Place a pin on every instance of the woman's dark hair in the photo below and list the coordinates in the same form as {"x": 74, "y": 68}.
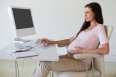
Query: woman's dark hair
{"x": 96, "y": 9}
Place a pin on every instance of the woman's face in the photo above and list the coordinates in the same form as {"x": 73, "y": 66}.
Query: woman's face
{"x": 89, "y": 15}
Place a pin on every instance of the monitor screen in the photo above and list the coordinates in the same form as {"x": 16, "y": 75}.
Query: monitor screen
{"x": 21, "y": 21}
{"x": 22, "y": 18}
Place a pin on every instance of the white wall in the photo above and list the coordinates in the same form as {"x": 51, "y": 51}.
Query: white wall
{"x": 57, "y": 19}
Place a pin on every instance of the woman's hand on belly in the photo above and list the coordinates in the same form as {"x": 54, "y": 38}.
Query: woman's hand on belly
{"x": 70, "y": 54}
{"x": 79, "y": 50}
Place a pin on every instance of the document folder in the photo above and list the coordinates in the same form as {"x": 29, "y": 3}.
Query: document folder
{"x": 21, "y": 54}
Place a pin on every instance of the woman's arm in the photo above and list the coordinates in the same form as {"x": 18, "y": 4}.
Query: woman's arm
{"x": 102, "y": 51}
{"x": 62, "y": 42}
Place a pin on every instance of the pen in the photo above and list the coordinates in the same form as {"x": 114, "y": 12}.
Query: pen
{"x": 21, "y": 50}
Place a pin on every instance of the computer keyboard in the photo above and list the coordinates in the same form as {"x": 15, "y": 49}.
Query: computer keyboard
{"x": 39, "y": 43}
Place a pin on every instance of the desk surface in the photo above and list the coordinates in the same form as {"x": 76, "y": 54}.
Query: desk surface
{"x": 48, "y": 53}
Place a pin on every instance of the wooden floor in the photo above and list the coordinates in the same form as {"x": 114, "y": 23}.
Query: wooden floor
{"x": 7, "y": 68}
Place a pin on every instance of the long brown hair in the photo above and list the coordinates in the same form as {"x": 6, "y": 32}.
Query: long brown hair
{"x": 96, "y": 9}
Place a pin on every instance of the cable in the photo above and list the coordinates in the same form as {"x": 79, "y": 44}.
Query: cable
{"x": 22, "y": 46}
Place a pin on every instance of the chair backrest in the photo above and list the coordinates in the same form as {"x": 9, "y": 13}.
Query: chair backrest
{"x": 99, "y": 62}
{"x": 109, "y": 30}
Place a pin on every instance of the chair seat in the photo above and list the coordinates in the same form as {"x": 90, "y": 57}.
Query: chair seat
{"x": 77, "y": 74}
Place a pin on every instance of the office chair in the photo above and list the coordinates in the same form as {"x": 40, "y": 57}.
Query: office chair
{"x": 98, "y": 66}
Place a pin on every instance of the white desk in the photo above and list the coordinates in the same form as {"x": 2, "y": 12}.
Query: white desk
{"x": 48, "y": 53}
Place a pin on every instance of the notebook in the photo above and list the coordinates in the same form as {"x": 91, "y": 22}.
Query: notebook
{"x": 21, "y": 53}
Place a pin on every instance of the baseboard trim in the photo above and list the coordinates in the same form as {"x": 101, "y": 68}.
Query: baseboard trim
{"x": 110, "y": 58}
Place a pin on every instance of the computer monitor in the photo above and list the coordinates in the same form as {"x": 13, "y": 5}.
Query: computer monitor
{"x": 21, "y": 21}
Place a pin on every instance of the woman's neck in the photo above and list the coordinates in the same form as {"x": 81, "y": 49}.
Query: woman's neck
{"x": 93, "y": 23}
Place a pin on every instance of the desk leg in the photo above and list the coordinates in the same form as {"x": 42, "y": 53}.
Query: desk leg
{"x": 22, "y": 67}
{"x": 53, "y": 69}
{"x": 16, "y": 69}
